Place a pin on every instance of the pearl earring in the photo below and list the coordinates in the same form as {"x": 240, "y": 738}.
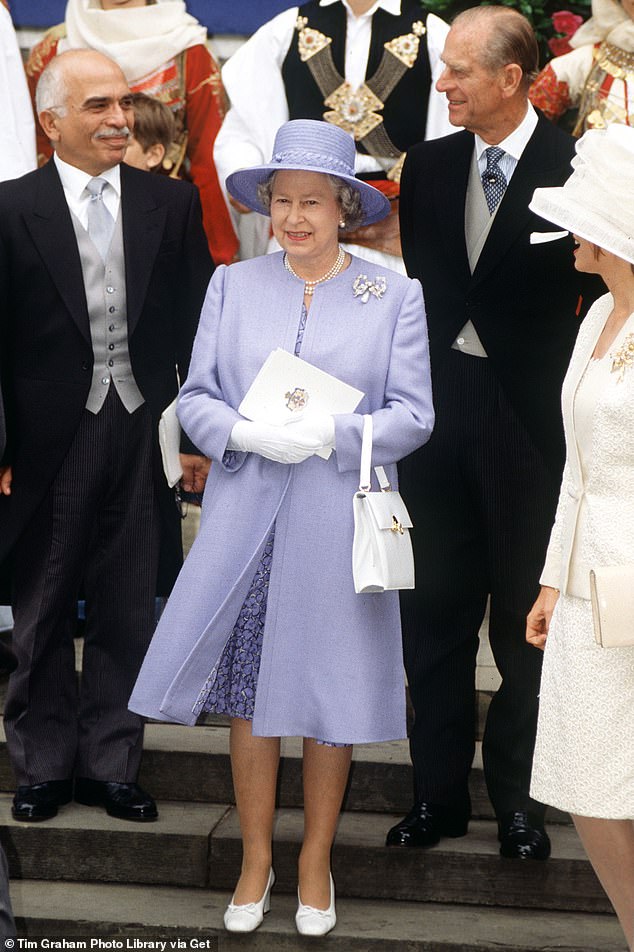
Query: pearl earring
{"x": 342, "y": 223}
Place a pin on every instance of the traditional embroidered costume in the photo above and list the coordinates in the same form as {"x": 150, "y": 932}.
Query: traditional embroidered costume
{"x": 597, "y": 77}
{"x": 371, "y": 75}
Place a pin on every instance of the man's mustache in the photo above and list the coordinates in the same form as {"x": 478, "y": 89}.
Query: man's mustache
{"x": 113, "y": 133}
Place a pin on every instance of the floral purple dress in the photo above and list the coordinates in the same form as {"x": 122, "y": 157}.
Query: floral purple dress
{"x": 231, "y": 686}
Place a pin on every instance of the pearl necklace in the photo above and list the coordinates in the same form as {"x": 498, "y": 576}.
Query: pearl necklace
{"x": 309, "y": 286}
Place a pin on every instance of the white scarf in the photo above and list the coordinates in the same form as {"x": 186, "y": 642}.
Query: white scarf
{"x": 139, "y": 40}
{"x": 610, "y": 22}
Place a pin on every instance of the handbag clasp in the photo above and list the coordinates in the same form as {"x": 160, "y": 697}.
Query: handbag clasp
{"x": 396, "y": 526}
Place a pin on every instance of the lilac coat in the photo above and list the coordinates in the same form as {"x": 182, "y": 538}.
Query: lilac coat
{"x": 331, "y": 662}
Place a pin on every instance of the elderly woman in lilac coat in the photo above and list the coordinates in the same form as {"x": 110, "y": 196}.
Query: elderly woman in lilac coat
{"x": 264, "y": 624}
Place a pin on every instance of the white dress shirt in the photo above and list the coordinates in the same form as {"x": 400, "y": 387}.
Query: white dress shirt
{"x": 74, "y": 183}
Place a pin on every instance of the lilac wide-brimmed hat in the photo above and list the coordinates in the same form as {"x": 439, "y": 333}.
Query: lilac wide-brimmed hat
{"x": 309, "y": 145}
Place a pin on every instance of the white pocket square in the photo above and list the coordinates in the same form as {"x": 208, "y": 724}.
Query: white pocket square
{"x": 539, "y": 237}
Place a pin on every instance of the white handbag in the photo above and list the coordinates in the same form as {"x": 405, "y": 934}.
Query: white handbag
{"x": 612, "y": 597}
{"x": 382, "y": 557}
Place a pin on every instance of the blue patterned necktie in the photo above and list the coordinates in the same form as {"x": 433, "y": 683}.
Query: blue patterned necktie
{"x": 493, "y": 181}
{"x": 100, "y": 221}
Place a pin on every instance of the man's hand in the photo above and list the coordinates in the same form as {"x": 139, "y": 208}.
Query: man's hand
{"x": 538, "y": 618}
{"x": 195, "y": 471}
{"x": 6, "y": 478}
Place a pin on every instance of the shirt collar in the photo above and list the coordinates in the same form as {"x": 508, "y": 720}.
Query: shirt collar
{"x": 516, "y": 142}
{"x": 74, "y": 180}
{"x": 390, "y": 6}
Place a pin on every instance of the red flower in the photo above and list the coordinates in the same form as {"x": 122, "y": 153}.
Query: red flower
{"x": 565, "y": 25}
{"x": 566, "y": 22}
{"x": 559, "y": 45}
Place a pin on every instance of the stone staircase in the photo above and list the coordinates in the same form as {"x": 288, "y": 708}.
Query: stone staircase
{"x": 86, "y": 874}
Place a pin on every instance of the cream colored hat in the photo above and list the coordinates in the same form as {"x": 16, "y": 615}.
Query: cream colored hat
{"x": 597, "y": 201}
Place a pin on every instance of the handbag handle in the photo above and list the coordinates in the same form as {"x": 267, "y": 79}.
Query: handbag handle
{"x": 365, "y": 483}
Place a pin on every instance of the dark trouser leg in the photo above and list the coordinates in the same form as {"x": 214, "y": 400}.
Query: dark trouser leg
{"x": 521, "y": 505}
{"x": 120, "y": 585}
{"x": 62, "y": 544}
{"x": 442, "y": 616}
{"x": 41, "y": 708}
{"x": 482, "y": 504}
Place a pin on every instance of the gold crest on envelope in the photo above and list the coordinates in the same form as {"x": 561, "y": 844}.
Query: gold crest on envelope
{"x": 296, "y": 399}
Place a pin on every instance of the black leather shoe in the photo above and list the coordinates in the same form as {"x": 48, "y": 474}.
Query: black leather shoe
{"x": 127, "y": 801}
{"x": 522, "y": 836}
{"x": 41, "y": 800}
{"x": 426, "y": 823}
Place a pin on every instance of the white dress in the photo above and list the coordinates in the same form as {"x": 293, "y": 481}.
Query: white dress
{"x": 584, "y": 752}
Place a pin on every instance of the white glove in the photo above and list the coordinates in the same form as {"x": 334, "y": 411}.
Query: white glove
{"x": 315, "y": 425}
{"x": 284, "y": 444}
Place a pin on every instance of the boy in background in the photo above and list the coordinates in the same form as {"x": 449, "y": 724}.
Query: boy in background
{"x": 154, "y": 132}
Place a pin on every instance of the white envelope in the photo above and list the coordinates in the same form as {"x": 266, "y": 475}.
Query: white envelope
{"x": 287, "y": 386}
{"x": 169, "y": 440}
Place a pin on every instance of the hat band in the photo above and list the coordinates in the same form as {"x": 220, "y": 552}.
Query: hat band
{"x": 300, "y": 157}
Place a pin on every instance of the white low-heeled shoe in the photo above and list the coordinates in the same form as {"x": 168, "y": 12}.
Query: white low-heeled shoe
{"x": 248, "y": 917}
{"x": 311, "y": 921}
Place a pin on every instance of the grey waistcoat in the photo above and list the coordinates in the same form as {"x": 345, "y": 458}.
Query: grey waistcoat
{"x": 477, "y": 225}
{"x": 104, "y": 283}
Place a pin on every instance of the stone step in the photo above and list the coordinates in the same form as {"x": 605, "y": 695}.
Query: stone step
{"x": 150, "y": 912}
{"x": 194, "y": 844}
{"x": 468, "y": 870}
{"x": 184, "y": 763}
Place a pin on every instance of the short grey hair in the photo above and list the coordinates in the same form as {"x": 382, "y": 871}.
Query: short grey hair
{"x": 347, "y": 196}
{"x": 511, "y": 39}
{"x": 52, "y": 88}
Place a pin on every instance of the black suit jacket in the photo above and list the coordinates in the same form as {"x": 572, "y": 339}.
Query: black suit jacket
{"x": 525, "y": 301}
{"x": 45, "y": 344}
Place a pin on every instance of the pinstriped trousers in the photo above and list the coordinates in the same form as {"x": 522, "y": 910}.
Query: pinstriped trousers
{"x": 483, "y": 502}
{"x": 96, "y": 528}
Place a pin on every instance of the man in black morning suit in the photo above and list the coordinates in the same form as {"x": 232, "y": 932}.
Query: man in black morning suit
{"x": 502, "y": 314}
{"x": 103, "y": 271}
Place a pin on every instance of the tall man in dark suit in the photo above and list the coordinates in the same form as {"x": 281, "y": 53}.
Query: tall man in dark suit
{"x": 503, "y": 314}
{"x": 103, "y": 271}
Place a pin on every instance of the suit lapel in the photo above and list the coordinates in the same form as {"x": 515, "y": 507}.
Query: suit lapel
{"x": 51, "y": 229}
{"x": 514, "y": 215}
{"x": 143, "y": 220}
{"x": 450, "y": 191}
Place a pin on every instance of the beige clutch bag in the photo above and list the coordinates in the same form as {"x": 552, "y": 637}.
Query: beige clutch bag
{"x": 612, "y": 597}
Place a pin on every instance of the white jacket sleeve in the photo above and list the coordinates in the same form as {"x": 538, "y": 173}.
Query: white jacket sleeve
{"x": 551, "y": 573}
{"x": 437, "y": 113}
{"x": 252, "y": 78}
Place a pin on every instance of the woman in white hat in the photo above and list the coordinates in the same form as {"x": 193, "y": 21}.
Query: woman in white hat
{"x": 264, "y": 624}
{"x": 584, "y": 754}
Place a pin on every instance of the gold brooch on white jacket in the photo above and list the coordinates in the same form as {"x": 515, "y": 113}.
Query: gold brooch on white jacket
{"x": 623, "y": 358}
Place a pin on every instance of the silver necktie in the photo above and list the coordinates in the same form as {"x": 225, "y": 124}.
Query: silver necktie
{"x": 100, "y": 221}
